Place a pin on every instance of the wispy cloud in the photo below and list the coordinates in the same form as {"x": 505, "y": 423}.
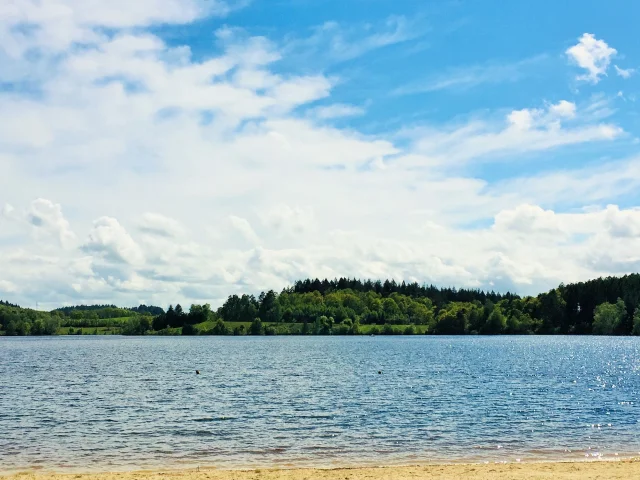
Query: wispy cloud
{"x": 522, "y": 131}
{"x": 464, "y": 78}
{"x": 624, "y": 72}
{"x": 335, "y": 42}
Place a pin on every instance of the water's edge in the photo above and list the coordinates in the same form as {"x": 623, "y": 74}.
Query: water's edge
{"x": 172, "y": 468}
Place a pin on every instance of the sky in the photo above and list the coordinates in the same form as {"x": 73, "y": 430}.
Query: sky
{"x": 180, "y": 151}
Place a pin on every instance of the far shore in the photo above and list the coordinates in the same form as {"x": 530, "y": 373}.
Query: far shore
{"x": 585, "y": 470}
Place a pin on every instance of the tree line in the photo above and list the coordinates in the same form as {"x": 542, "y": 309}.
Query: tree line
{"x": 604, "y": 306}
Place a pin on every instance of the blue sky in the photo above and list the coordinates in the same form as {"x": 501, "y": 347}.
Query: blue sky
{"x": 167, "y": 150}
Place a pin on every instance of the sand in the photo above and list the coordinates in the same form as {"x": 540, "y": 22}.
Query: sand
{"x": 604, "y": 470}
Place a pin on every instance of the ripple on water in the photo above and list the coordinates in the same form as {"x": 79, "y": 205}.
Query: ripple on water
{"x": 89, "y": 402}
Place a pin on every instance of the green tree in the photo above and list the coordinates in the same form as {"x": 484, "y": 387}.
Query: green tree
{"x": 220, "y": 328}
{"x": 199, "y": 314}
{"x": 355, "y": 329}
{"x": 269, "y": 309}
{"x": 552, "y": 312}
{"x": 387, "y": 329}
{"x": 180, "y": 317}
{"x": 453, "y": 320}
{"x": 495, "y": 324}
{"x": 607, "y": 317}
{"x": 51, "y": 325}
{"x": 391, "y": 311}
{"x": 410, "y": 330}
{"x": 135, "y": 326}
{"x": 636, "y": 321}
{"x": 239, "y": 309}
{"x": 256, "y": 327}
{"x": 323, "y": 325}
{"x": 421, "y": 314}
{"x": 145, "y": 324}
{"x": 189, "y": 329}
{"x": 37, "y": 327}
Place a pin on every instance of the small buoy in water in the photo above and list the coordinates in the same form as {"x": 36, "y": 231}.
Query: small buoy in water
{"x": 197, "y": 372}
{"x": 379, "y": 372}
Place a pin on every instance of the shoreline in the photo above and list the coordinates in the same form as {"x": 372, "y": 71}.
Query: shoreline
{"x": 612, "y": 468}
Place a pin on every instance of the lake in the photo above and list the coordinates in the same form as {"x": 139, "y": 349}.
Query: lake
{"x": 111, "y": 403}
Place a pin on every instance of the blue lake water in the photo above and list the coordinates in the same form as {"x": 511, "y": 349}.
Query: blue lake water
{"x": 109, "y": 403}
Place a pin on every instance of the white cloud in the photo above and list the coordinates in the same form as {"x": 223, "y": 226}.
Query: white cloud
{"x": 526, "y": 130}
{"x": 467, "y": 77}
{"x": 589, "y": 185}
{"x": 287, "y": 220}
{"x": 55, "y": 25}
{"x": 47, "y": 216}
{"x": 7, "y": 287}
{"x": 337, "y": 110}
{"x": 157, "y": 224}
{"x": 45, "y": 220}
{"x": 8, "y": 210}
{"x": 622, "y": 224}
{"x": 243, "y": 226}
{"x": 110, "y": 240}
{"x": 624, "y": 73}
{"x": 333, "y": 42}
{"x": 528, "y": 219}
{"x": 563, "y": 109}
{"x": 592, "y": 55}
{"x": 250, "y": 187}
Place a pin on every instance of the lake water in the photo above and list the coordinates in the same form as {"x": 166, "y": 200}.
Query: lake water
{"x": 110, "y": 403}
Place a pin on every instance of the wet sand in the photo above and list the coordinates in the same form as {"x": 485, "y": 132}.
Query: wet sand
{"x": 609, "y": 470}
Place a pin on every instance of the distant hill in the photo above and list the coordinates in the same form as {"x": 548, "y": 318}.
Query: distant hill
{"x": 607, "y": 306}
{"x": 110, "y": 311}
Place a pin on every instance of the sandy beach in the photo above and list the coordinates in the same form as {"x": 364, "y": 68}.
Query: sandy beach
{"x": 623, "y": 469}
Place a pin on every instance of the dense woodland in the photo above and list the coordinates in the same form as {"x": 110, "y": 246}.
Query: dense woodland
{"x": 605, "y": 306}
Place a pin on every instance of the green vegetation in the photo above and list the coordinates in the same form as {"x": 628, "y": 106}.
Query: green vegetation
{"x": 605, "y": 306}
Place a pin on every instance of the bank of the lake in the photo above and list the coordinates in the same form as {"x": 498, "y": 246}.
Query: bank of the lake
{"x": 613, "y": 470}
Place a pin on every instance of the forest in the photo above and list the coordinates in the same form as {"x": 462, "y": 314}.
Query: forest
{"x": 604, "y": 306}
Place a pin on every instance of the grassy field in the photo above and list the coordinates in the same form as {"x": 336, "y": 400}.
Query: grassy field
{"x": 231, "y": 326}
{"x": 364, "y": 329}
{"x": 368, "y": 329}
{"x": 89, "y": 330}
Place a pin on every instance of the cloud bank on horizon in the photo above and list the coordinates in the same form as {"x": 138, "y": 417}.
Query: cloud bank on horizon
{"x": 164, "y": 151}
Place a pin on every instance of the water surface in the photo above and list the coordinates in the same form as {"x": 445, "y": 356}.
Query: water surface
{"x": 85, "y": 403}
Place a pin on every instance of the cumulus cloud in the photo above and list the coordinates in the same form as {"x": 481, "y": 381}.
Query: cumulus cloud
{"x": 45, "y": 220}
{"x": 622, "y": 224}
{"x": 56, "y": 24}
{"x": 243, "y": 226}
{"x": 47, "y": 216}
{"x": 157, "y": 224}
{"x": 527, "y": 219}
{"x": 111, "y": 241}
{"x": 563, "y": 109}
{"x": 289, "y": 220}
{"x": 149, "y": 149}
{"x": 593, "y": 55}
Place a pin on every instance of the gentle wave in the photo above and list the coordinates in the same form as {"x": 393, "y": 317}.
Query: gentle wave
{"x": 129, "y": 403}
